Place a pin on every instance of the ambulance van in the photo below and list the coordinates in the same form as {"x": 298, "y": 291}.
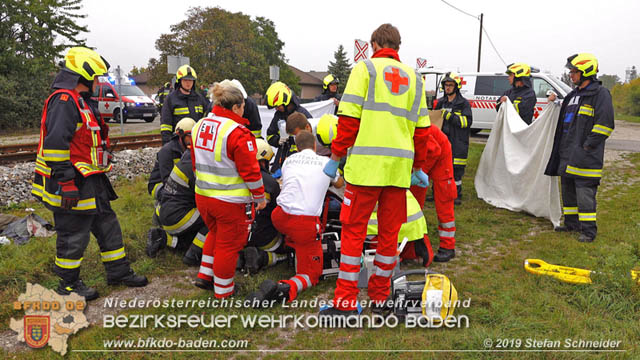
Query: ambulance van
{"x": 484, "y": 89}
{"x": 136, "y": 104}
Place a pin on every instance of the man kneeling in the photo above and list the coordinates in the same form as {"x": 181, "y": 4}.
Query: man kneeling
{"x": 297, "y": 216}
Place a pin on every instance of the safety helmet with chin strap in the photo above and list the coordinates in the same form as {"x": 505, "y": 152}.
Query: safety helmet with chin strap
{"x": 186, "y": 72}
{"x": 519, "y": 70}
{"x": 328, "y": 80}
{"x": 264, "y": 150}
{"x": 278, "y": 94}
{"x": 184, "y": 128}
{"x": 86, "y": 63}
{"x": 452, "y": 76}
{"x": 586, "y": 63}
{"x": 327, "y": 129}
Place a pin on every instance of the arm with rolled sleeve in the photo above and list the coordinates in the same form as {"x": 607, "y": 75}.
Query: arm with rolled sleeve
{"x": 241, "y": 147}
{"x": 603, "y": 125}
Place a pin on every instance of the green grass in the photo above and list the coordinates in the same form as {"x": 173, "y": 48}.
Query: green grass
{"x": 629, "y": 118}
{"x": 506, "y": 301}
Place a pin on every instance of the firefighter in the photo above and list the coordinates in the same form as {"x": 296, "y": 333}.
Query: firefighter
{"x": 280, "y": 97}
{"x": 168, "y": 155}
{"x": 297, "y": 216}
{"x": 70, "y": 176}
{"x": 265, "y": 246}
{"x": 382, "y": 115}
{"x": 178, "y": 215}
{"x": 182, "y": 102}
{"x": 521, "y": 93}
{"x": 441, "y": 172}
{"x": 166, "y": 158}
{"x": 163, "y": 92}
{"x": 228, "y": 183}
{"x": 297, "y": 122}
{"x": 585, "y": 122}
{"x": 457, "y": 119}
{"x": 414, "y": 230}
{"x": 330, "y": 91}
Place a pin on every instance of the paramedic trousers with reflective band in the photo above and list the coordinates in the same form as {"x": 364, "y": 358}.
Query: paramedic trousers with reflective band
{"x": 228, "y": 232}
{"x": 73, "y": 237}
{"x": 302, "y": 235}
{"x": 579, "y": 205}
{"x": 443, "y": 201}
{"x": 358, "y": 204}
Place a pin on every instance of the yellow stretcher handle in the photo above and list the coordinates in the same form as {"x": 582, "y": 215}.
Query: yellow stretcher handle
{"x": 564, "y": 273}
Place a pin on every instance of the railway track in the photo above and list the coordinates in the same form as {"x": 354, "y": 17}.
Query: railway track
{"x": 27, "y": 152}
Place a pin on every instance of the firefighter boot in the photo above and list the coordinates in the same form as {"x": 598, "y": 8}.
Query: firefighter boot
{"x": 156, "y": 240}
{"x": 255, "y": 259}
{"x": 193, "y": 256}
{"x": 444, "y": 255}
{"x": 241, "y": 261}
{"x": 458, "y": 200}
{"x": 78, "y": 287}
{"x": 586, "y": 238}
{"x": 131, "y": 279}
{"x": 204, "y": 284}
{"x": 566, "y": 228}
{"x": 268, "y": 290}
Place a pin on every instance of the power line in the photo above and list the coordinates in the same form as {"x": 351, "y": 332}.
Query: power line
{"x": 484, "y": 29}
{"x": 462, "y": 11}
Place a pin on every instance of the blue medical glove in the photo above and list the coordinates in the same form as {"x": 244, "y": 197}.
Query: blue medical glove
{"x": 414, "y": 180}
{"x": 331, "y": 168}
{"x": 424, "y": 178}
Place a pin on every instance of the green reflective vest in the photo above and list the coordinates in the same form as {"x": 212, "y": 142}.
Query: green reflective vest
{"x": 414, "y": 229}
{"x": 388, "y": 98}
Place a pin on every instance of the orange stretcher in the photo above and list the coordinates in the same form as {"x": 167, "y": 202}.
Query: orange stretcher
{"x": 564, "y": 273}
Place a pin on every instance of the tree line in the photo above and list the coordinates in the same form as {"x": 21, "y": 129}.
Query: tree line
{"x": 35, "y": 35}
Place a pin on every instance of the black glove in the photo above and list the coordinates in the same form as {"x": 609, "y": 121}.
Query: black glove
{"x": 70, "y": 194}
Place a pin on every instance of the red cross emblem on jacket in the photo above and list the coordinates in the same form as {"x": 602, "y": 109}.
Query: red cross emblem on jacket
{"x": 396, "y": 79}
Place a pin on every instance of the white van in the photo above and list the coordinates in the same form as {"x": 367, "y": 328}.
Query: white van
{"x": 484, "y": 89}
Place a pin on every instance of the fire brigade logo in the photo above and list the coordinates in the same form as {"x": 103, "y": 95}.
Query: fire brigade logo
{"x": 36, "y": 330}
{"x": 396, "y": 79}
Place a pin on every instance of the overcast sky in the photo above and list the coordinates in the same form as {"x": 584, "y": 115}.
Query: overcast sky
{"x": 542, "y": 33}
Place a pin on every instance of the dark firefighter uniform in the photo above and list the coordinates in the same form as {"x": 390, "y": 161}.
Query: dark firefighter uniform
{"x": 178, "y": 213}
{"x": 163, "y": 92}
{"x": 167, "y": 157}
{"x": 585, "y": 122}
{"x": 523, "y": 97}
{"x": 265, "y": 246}
{"x": 252, "y": 114}
{"x": 278, "y": 95}
{"x": 70, "y": 179}
{"x": 177, "y": 106}
{"x": 457, "y": 119}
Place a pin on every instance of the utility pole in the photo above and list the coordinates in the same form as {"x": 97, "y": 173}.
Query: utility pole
{"x": 480, "y": 42}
